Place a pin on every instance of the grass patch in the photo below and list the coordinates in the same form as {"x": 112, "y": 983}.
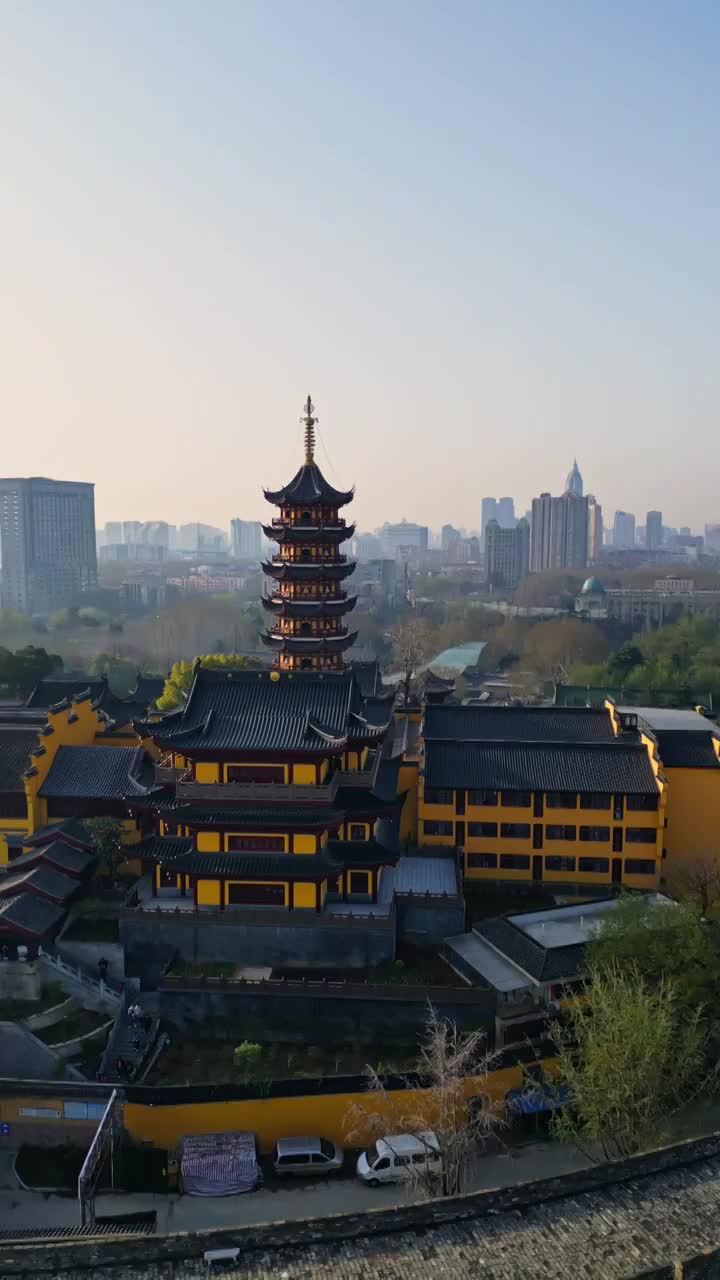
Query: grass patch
{"x": 76, "y": 1024}
{"x": 16, "y": 1010}
{"x": 91, "y": 929}
{"x": 198, "y": 1061}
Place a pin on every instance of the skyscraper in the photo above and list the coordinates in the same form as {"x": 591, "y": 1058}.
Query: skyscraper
{"x": 624, "y": 529}
{"x": 574, "y": 482}
{"x": 507, "y": 553}
{"x": 653, "y": 530}
{"x": 595, "y": 528}
{"x": 489, "y": 511}
{"x": 506, "y": 513}
{"x": 47, "y": 529}
{"x": 246, "y": 539}
{"x": 559, "y": 536}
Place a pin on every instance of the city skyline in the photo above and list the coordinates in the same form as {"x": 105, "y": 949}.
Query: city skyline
{"x": 214, "y": 213}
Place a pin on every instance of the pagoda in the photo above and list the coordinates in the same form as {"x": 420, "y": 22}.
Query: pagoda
{"x": 308, "y": 601}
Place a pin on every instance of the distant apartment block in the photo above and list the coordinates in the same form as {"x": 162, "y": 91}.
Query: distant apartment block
{"x": 653, "y": 530}
{"x": 246, "y": 539}
{"x": 403, "y": 537}
{"x": 559, "y": 533}
{"x": 595, "y": 529}
{"x": 624, "y": 530}
{"x": 47, "y": 530}
{"x": 207, "y": 584}
{"x": 507, "y": 553}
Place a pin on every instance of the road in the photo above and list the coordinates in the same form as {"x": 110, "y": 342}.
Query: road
{"x": 279, "y": 1199}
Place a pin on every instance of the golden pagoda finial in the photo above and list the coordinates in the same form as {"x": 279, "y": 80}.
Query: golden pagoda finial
{"x": 309, "y": 419}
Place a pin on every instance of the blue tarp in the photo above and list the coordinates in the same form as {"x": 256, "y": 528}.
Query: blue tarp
{"x": 531, "y": 1101}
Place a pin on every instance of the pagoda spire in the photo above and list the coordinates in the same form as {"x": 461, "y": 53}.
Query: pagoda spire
{"x": 309, "y": 420}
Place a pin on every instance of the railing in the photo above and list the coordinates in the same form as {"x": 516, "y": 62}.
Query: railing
{"x": 111, "y": 991}
{"x": 167, "y": 773}
{"x": 361, "y": 777}
{"x": 266, "y": 916}
{"x": 270, "y": 791}
{"x": 353, "y": 988}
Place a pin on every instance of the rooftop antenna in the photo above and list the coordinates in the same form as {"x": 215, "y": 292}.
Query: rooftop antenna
{"x": 309, "y": 420}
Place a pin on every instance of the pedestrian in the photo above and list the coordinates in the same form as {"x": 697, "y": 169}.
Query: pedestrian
{"x": 120, "y": 1066}
{"x": 103, "y": 967}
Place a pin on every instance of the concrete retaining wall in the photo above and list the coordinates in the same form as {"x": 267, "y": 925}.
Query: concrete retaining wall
{"x": 426, "y": 921}
{"x": 148, "y": 937}
{"x": 48, "y": 1017}
{"x": 231, "y": 1012}
{"x": 70, "y": 1048}
{"x": 20, "y": 980}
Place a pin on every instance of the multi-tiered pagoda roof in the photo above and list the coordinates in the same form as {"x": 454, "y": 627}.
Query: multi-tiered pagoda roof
{"x": 308, "y": 603}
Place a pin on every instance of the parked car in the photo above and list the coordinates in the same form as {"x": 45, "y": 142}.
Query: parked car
{"x": 306, "y": 1155}
{"x": 399, "y": 1158}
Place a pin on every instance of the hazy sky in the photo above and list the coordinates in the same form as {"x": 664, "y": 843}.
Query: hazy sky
{"x": 484, "y": 235}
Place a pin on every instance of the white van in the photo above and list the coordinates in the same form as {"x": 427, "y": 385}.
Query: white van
{"x": 400, "y": 1158}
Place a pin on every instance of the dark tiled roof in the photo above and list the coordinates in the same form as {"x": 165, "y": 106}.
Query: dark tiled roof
{"x": 299, "y": 570}
{"x": 251, "y": 711}
{"x": 277, "y": 818}
{"x": 307, "y": 533}
{"x": 362, "y": 853}
{"x": 16, "y": 746}
{"x": 305, "y": 644}
{"x": 309, "y": 485}
{"x": 680, "y": 750}
{"x": 545, "y": 965}
{"x": 42, "y": 880}
{"x": 47, "y": 693}
{"x": 526, "y": 724}
{"x": 68, "y": 829}
{"x": 540, "y": 766}
{"x": 30, "y": 914}
{"x": 148, "y": 689}
{"x": 98, "y": 773}
{"x": 163, "y": 848}
{"x": 289, "y": 866}
{"x": 58, "y": 854}
{"x": 370, "y": 681}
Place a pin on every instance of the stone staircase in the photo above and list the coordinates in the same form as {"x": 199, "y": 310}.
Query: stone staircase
{"x": 135, "y": 1043}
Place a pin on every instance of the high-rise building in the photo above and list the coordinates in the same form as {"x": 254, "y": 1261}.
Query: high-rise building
{"x": 246, "y": 537}
{"x": 450, "y": 537}
{"x": 540, "y": 533}
{"x": 47, "y": 529}
{"x": 506, "y": 513}
{"x": 653, "y": 530}
{"x": 574, "y": 482}
{"x": 201, "y": 537}
{"x": 113, "y": 531}
{"x": 404, "y": 536}
{"x": 131, "y": 531}
{"x": 595, "y": 528}
{"x": 489, "y": 512}
{"x": 559, "y": 535}
{"x": 507, "y": 553}
{"x": 712, "y": 538}
{"x": 624, "y": 529}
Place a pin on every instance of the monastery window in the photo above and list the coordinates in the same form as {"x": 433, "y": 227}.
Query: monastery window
{"x": 168, "y": 878}
{"x": 595, "y": 800}
{"x": 435, "y": 795}
{"x": 515, "y": 830}
{"x": 267, "y": 773}
{"x": 640, "y": 835}
{"x": 556, "y": 863}
{"x": 599, "y": 866}
{"x": 333, "y": 884}
{"x": 483, "y": 798}
{"x": 357, "y": 831}
{"x": 358, "y": 882}
{"x": 640, "y": 867}
{"x": 560, "y": 832}
{"x": 438, "y": 828}
{"x": 642, "y": 804}
{"x": 595, "y": 835}
{"x": 561, "y": 800}
{"x": 270, "y": 844}
{"x": 515, "y": 861}
{"x": 482, "y": 861}
{"x": 516, "y": 799}
{"x": 263, "y": 895}
{"x": 482, "y": 829}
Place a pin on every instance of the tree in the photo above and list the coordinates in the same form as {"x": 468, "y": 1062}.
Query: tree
{"x": 23, "y": 669}
{"x": 411, "y": 648}
{"x": 630, "y": 1057}
{"x": 449, "y": 1096}
{"x": 661, "y": 941}
{"x": 121, "y": 672}
{"x": 697, "y": 879}
{"x": 182, "y": 674}
{"x": 623, "y": 661}
{"x": 105, "y": 836}
{"x": 551, "y": 648}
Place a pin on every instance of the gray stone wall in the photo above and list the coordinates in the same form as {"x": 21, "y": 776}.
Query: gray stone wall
{"x": 150, "y": 938}
{"x": 226, "y": 1012}
{"x": 426, "y": 921}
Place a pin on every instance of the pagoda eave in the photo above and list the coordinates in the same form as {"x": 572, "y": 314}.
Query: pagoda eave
{"x": 309, "y": 534}
{"x": 286, "y": 607}
{"x": 307, "y": 571}
{"x": 303, "y": 645}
